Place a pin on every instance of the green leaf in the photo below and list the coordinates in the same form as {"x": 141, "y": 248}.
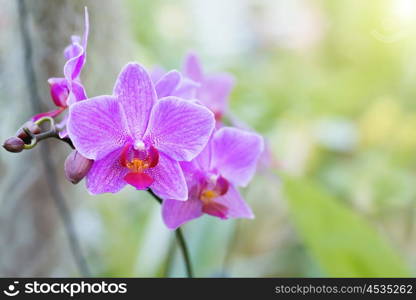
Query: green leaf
{"x": 343, "y": 243}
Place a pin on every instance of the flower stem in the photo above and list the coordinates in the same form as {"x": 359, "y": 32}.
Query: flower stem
{"x": 185, "y": 252}
{"x": 181, "y": 243}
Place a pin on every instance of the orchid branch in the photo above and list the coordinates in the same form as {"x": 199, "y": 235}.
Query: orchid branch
{"x": 53, "y": 132}
{"x": 181, "y": 242}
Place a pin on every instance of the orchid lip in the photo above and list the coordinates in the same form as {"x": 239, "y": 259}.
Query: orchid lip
{"x": 214, "y": 187}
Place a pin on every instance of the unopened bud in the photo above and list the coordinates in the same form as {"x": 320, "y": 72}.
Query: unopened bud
{"x": 76, "y": 167}
{"x": 14, "y": 144}
{"x": 59, "y": 91}
{"x": 33, "y": 128}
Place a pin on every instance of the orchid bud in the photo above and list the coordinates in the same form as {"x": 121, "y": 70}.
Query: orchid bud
{"x": 14, "y": 144}
{"x": 59, "y": 91}
{"x": 76, "y": 167}
{"x": 33, "y": 127}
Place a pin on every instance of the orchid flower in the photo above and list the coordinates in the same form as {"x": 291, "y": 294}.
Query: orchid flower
{"x": 136, "y": 139}
{"x": 213, "y": 90}
{"x": 227, "y": 162}
{"x": 69, "y": 89}
{"x": 172, "y": 83}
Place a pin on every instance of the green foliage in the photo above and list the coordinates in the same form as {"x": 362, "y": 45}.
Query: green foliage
{"x": 343, "y": 243}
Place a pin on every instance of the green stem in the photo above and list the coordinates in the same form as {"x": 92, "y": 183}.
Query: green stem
{"x": 52, "y": 132}
{"x": 185, "y": 252}
{"x": 181, "y": 242}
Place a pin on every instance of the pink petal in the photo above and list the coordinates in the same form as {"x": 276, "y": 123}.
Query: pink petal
{"x": 97, "y": 127}
{"x": 59, "y": 91}
{"x": 192, "y": 67}
{"x": 235, "y": 154}
{"x": 73, "y": 49}
{"x": 179, "y": 128}
{"x": 157, "y": 73}
{"x": 169, "y": 181}
{"x": 175, "y": 213}
{"x": 136, "y": 93}
{"x": 215, "y": 91}
{"x": 235, "y": 204}
{"x": 77, "y": 93}
{"x": 73, "y": 66}
{"x": 63, "y": 133}
{"x": 167, "y": 84}
{"x": 187, "y": 89}
{"x": 203, "y": 160}
{"x": 190, "y": 171}
{"x": 215, "y": 209}
{"x": 106, "y": 175}
{"x": 140, "y": 181}
{"x": 75, "y": 53}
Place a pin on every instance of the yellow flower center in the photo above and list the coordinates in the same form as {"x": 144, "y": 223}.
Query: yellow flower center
{"x": 208, "y": 195}
{"x": 137, "y": 165}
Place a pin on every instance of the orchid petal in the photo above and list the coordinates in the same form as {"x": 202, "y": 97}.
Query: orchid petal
{"x": 73, "y": 66}
{"x": 63, "y": 133}
{"x": 175, "y": 213}
{"x": 59, "y": 91}
{"x": 203, "y": 160}
{"x": 192, "y": 67}
{"x": 215, "y": 91}
{"x": 167, "y": 84}
{"x": 156, "y": 73}
{"x": 235, "y": 204}
{"x": 75, "y": 53}
{"x": 169, "y": 181}
{"x": 187, "y": 89}
{"x": 179, "y": 128}
{"x": 77, "y": 93}
{"x": 106, "y": 175}
{"x": 61, "y": 126}
{"x": 73, "y": 49}
{"x": 135, "y": 92}
{"x": 97, "y": 127}
{"x": 235, "y": 154}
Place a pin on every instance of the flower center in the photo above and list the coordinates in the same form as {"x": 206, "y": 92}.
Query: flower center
{"x": 137, "y": 165}
{"x": 208, "y": 195}
{"x": 138, "y": 158}
{"x": 214, "y": 187}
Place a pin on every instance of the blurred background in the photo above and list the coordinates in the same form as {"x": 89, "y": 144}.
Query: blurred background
{"x": 330, "y": 84}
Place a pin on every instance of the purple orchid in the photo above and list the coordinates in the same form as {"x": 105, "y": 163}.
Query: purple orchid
{"x": 213, "y": 90}
{"x": 69, "y": 89}
{"x": 228, "y": 161}
{"x": 136, "y": 139}
{"x": 172, "y": 83}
